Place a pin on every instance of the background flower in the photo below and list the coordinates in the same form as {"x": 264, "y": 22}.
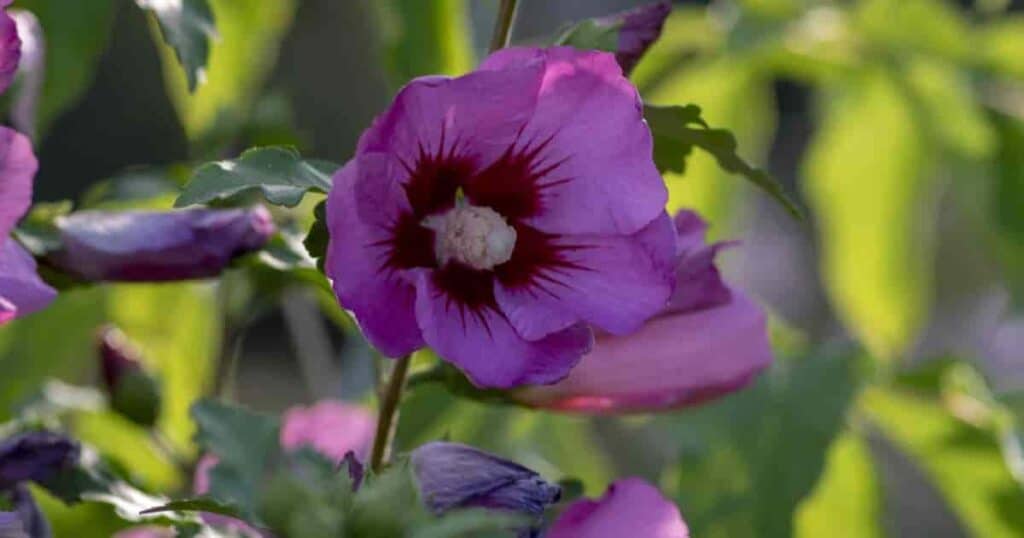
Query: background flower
{"x": 630, "y": 507}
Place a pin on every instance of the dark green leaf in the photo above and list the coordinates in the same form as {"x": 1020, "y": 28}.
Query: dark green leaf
{"x": 678, "y": 129}
{"x": 199, "y": 504}
{"x": 187, "y": 26}
{"x": 591, "y": 34}
{"x": 318, "y": 236}
{"x": 278, "y": 172}
{"x": 748, "y": 460}
{"x": 245, "y": 442}
{"x": 1007, "y": 199}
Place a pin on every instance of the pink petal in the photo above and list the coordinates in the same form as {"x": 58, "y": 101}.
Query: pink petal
{"x": 10, "y": 48}
{"x": 18, "y": 167}
{"x": 698, "y": 282}
{"x": 381, "y": 301}
{"x": 7, "y": 311}
{"x": 330, "y": 427}
{"x": 615, "y": 283}
{"x": 20, "y": 286}
{"x": 592, "y": 118}
{"x": 673, "y": 361}
{"x": 485, "y": 346}
{"x": 630, "y": 507}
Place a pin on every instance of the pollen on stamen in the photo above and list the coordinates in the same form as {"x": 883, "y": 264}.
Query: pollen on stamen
{"x": 475, "y": 236}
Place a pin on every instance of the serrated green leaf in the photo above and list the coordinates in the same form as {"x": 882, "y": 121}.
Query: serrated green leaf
{"x": 678, "y": 129}
{"x": 277, "y": 172}
{"x": 187, "y": 26}
{"x": 591, "y": 34}
{"x": 245, "y": 442}
{"x": 197, "y": 504}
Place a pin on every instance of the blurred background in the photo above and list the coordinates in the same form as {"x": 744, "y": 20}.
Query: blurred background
{"x": 895, "y": 405}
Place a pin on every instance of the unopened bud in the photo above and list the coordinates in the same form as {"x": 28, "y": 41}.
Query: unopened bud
{"x": 133, "y": 392}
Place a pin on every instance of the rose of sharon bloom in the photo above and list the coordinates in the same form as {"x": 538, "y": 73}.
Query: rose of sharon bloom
{"x": 499, "y": 215}
{"x": 639, "y": 28}
{"x": 21, "y": 290}
{"x": 10, "y": 47}
{"x": 630, "y": 507}
{"x": 709, "y": 341}
{"x": 146, "y": 246}
{"x": 334, "y": 429}
{"x": 452, "y": 475}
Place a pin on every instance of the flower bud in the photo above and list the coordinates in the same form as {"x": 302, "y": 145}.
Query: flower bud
{"x": 134, "y": 394}
{"x": 452, "y": 475}
{"x": 35, "y": 456}
{"x": 147, "y": 246}
{"x": 639, "y": 28}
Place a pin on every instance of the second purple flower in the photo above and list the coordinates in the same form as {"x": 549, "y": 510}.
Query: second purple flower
{"x": 497, "y": 216}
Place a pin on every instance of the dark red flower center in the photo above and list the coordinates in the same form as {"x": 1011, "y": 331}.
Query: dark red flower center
{"x": 505, "y": 194}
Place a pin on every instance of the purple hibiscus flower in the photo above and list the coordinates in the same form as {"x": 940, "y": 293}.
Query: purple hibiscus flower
{"x": 21, "y": 290}
{"x": 710, "y": 340}
{"x": 146, "y": 246}
{"x": 499, "y": 215}
{"x": 34, "y": 456}
{"x": 630, "y": 507}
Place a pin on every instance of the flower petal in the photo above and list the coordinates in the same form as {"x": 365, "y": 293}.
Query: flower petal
{"x": 149, "y": 246}
{"x": 630, "y": 507}
{"x": 640, "y": 28}
{"x": 589, "y": 122}
{"x": 18, "y": 167}
{"x": 330, "y": 427}
{"x": 382, "y": 302}
{"x": 481, "y": 342}
{"x": 37, "y": 455}
{"x": 615, "y": 283}
{"x": 698, "y": 282}
{"x": 10, "y": 48}
{"x": 453, "y": 475}
{"x": 22, "y": 292}
{"x": 673, "y": 361}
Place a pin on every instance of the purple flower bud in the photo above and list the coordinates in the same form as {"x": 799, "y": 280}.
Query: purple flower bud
{"x": 639, "y": 29}
{"x": 452, "y": 475}
{"x": 133, "y": 393}
{"x": 146, "y": 246}
{"x": 25, "y": 520}
{"x": 34, "y": 456}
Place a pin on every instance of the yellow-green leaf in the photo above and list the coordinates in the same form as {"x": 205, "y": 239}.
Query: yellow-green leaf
{"x": 847, "y": 502}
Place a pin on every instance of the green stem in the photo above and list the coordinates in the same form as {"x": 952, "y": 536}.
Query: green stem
{"x": 503, "y": 26}
{"x": 390, "y": 397}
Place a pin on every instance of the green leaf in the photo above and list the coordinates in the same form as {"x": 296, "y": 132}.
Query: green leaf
{"x": 591, "y": 34}
{"x": 424, "y": 38}
{"x": 749, "y": 460}
{"x": 188, "y": 27}
{"x": 318, "y": 237}
{"x": 963, "y": 463}
{"x": 847, "y": 501}
{"x": 1005, "y": 202}
{"x": 250, "y": 32}
{"x": 678, "y": 129}
{"x": 197, "y": 504}
{"x": 872, "y": 193}
{"x": 278, "y": 172}
{"x": 76, "y": 34}
{"x": 246, "y": 444}
{"x": 38, "y": 232}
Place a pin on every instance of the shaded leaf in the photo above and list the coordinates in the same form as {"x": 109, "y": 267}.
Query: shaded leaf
{"x": 424, "y": 38}
{"x": 318, "y": 237}
{"x": 198, "y": 504}
{"x": 76, "y": 34}
{"x": 591, "y": 34}
{"x": 278, "y": 172}
{"x": 678, "y": 129}
{"x": 187, "y": 26}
